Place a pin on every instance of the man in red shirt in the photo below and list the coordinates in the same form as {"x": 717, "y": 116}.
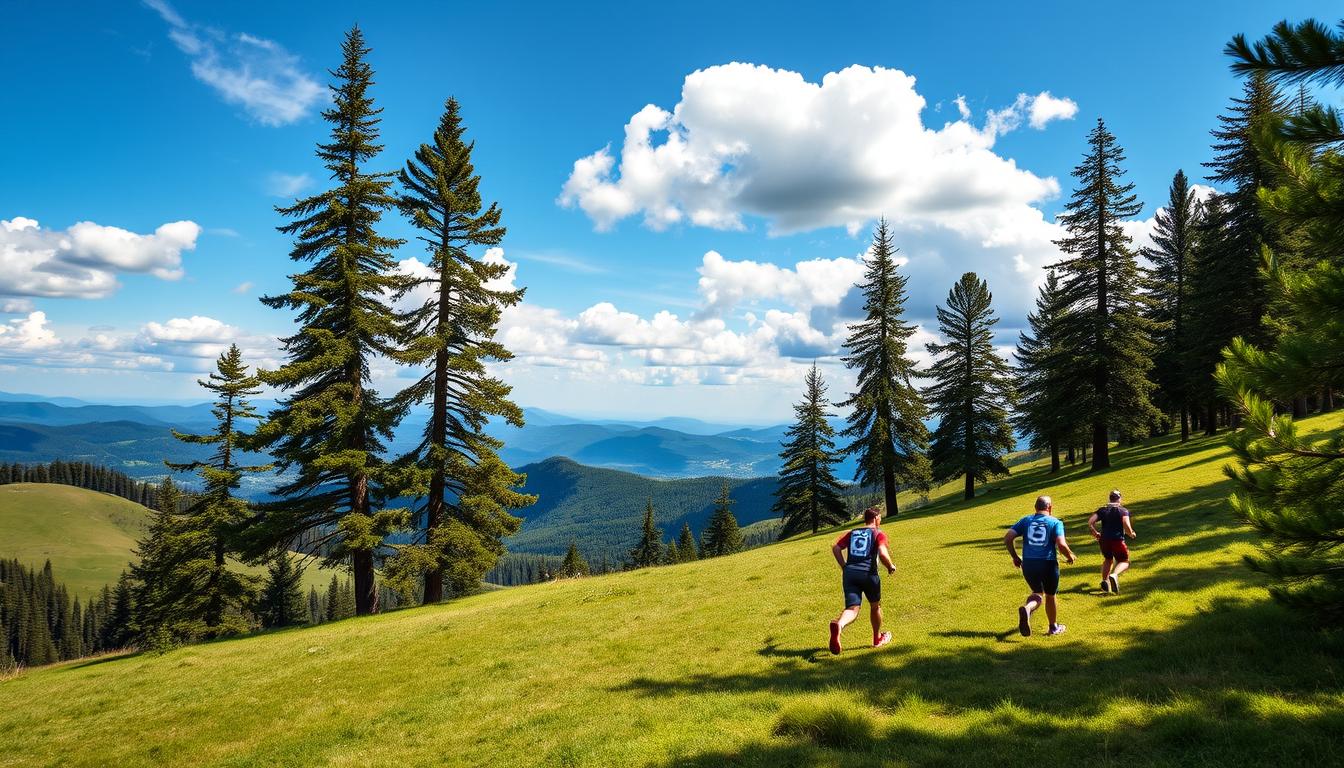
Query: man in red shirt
{"x": 858, "y": 553}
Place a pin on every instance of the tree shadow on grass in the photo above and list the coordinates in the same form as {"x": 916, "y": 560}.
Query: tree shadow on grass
{"x": 1218, "y": 689}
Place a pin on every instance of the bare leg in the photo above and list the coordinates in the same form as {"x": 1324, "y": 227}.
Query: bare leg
{"x": 1051, "y": 611}
{"x": 1106, "y": 568}
{"x": 847, "y": 616}
{"x": 1121, "y": 567}
{"x": 875, "y": 615}
{"x": 1033, "y": 602}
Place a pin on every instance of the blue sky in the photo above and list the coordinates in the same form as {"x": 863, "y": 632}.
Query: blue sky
{"x": 693, "y": 269}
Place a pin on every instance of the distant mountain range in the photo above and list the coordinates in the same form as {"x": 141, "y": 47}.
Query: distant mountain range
{"x": 602, "y": 509}
{"x": 137, "y": 438}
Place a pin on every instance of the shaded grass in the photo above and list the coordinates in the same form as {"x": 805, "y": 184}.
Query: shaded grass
{"x": 723, "y": 662}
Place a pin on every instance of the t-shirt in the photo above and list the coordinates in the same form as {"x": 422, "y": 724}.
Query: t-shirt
{"x": 862, "y": 545}
{"x": 1038, "y": 533}
{"x": 1112, "y": 519}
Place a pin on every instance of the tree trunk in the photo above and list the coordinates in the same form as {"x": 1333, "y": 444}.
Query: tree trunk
{"x": 1101, "y": 446}
{"x": 1073, "y": 456}
{"x": 1083, "y": 450}
{"x": 889, "y": 484}
{"x": 1299, "y": 407}
{"x": 1054, "y": 456}
{"x": 1185, "y": 423}
{"x": 1211, "y": 419}
{"x": 970, "y": 487}
{"x": 362, "y": 563}
{"x": 1327, "y": 400}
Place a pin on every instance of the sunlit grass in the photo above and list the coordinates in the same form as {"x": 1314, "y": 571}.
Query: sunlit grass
{"x": 723, "y": 662}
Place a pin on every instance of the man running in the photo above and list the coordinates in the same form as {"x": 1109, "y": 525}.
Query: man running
{"x": 858, "y": 553}
{"x": 1042, "y": 535}
{"x": 1115, "y": 527}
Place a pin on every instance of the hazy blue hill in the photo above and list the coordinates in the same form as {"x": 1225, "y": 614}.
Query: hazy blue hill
{"x": 23, "y": 397}
{"x": 52, "y": 414}
{"x": 601, "y": 509}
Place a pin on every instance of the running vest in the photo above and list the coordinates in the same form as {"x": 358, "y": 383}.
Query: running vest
{"x": 862, "y": 550}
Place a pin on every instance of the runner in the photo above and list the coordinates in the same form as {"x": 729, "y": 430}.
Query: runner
{"x": 858, "y": 553}
{"x": 1042, "y": 535}
{"x": 1115, "y": 526}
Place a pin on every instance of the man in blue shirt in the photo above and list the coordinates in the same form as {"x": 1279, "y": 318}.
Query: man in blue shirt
{"x": 1042, "y": 534}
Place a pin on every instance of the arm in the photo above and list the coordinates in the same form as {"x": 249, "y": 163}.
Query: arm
{"x": 1129, "y": 528}
{"x": 1009, "y": 541}
{"x": 1063, "y": 547}
{"x": 839, "y": 553}
{"x": 1092, "y": 526}
{"x": 885, "y": 557}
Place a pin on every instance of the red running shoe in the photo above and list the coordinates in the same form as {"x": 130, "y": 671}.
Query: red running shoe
{"x": 835, "y": 637}
{"x": 882, "y": 640}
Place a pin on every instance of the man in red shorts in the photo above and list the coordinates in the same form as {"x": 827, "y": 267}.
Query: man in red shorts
{"x": 858, "y": 552}
{"x": 1115, "y": 527}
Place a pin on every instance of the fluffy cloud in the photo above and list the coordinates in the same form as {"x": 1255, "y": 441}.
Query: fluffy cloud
{"x": 84, "y": 260}
{"x": 751, "y": 140}
{"x": 16, "y": 306}
{"x": 256, "y": 74}
{"x": 27, "y": 334}
{"x": 1045, "y": 108}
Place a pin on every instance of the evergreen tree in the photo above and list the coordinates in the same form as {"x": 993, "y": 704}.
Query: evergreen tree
{"x": 574, "y": 564}
{"x": 119, "y": 630}
{"x": 203, "y": 585}
{"x": 316, "y": 615}
{"x": 1043, "y": 365}
{"x": 332, "y": 608}
{"x": 685, "y": 545}
{"x": 971, "y": 391}
{"x": 1104, "y": 322}
{"x": 160, "y": 617}
{"x": 887, "y": 423}
{"x": 328, "y": 431}
{"x": 1175, "y": 235}
{"x": 1292, "y": 485}
{"x": 649, "y": 549}
{"x": 721, "y": 536}
{"x": 282, "y": 603}
{"x": 470, "y": 491}
{"x": 808, "y": 495}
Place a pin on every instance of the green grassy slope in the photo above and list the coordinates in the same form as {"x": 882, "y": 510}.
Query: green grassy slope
{"x": 87, "y": 535}
{"x": 701, "y": 664}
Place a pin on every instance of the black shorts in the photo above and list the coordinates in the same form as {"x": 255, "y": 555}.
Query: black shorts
{"x": 859, "y": 584}
{"x": 1041, "y": 575}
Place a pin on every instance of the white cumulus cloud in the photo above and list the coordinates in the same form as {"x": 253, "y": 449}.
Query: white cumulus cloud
{"x": 84, "y": 260}
{"x": 748, "y": 140}
{"x": 1045, "y": 108}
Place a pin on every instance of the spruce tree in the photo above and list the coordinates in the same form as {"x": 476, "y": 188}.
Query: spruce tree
{"x": 282, "y": 603}
{"x": 808, "y": 495}
{"x": 887, "y": 422}
{"x": 328, "y": 431}
{"x": 574, "y": 564}
{"x": 470, "y": 491}
{"x": 316, "y": 615}
{"x": 1104, "y": 322}
{"x": 204, "y": 585}
{"x": 722, "y": 535}
{"x": 1044, "y": 404}
{"x": 1175, "y": 237}
{"x": 686, "y": 551}
{"x": 160, "y": 616}
{"x": 972, "y": 389}
{"x": 649, "y": 549}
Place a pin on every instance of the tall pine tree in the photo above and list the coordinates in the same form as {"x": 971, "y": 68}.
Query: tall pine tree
{"x": 1172, "y": 256}
{"x": 1104, "y": 322}
{"x": 1043, "y": 365}
{"x": 808, "y": 495}
{"x": 328, "y": 431}
{"x": 972, "y": 389}
{"x": 470, "y": 490}
{"x": 204, "y": 585}
{"x": 887, "y": 423}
